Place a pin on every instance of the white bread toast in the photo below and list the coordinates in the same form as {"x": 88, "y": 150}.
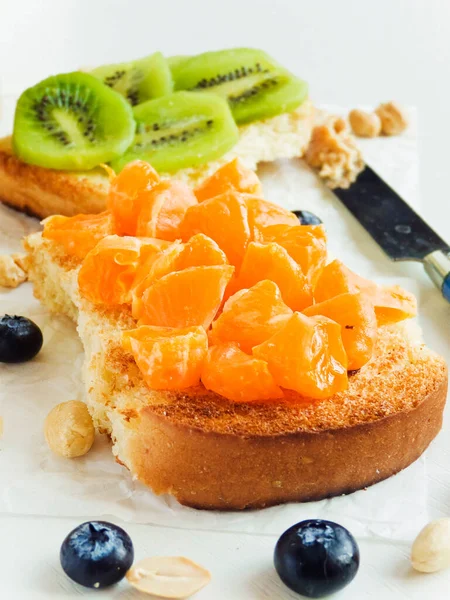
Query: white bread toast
{"x": 43, "y": 192}
{"x": 211, "y": 453}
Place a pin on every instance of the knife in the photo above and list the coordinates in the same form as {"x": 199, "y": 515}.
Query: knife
{"x": 396, "y": 227}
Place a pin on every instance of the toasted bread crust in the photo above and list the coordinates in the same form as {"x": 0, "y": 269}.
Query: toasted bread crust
{"x": 43, "y": 192}
{"x": 231, "y": 472}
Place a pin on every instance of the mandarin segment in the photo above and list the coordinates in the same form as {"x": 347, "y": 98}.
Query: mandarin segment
{"x": 163, "y": 209}
{"x": 307, "y": 356}
{"x": 305, "y": 244}
{"x": 108, "y": 271}
{"x": 78, "y": 235}
{"x": 127, "y": 192}
{"x": 186, "y": 298}
{"x": 225, "y": 220}
{"x": 251, "y": 316}
{"x": 168, "y": 358}
{"x": 199, "y": 251}
{"x": 356, "y": 315}
{"x": 272, "y": 261}
{"x": 231, "y": 373}
{"x": 232, "y": 175}
{"x": 392, "y": 304}
{"x": 262, "y": 213}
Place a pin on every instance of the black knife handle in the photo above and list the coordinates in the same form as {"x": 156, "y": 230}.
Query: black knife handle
{"x": 437, "y": 265}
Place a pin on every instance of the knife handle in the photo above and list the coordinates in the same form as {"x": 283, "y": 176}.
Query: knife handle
{"x": 437, "y": 265}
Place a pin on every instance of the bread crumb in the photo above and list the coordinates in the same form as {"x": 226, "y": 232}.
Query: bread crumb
{"x": 13, "y": 269}
{"x": 334, "y": 153}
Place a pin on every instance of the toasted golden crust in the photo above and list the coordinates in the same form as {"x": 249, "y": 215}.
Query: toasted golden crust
{"x": 43, "y": 192}
{"x": 211, "y": 453}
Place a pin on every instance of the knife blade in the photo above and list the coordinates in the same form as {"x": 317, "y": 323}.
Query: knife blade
{"x": 396, "y": 227}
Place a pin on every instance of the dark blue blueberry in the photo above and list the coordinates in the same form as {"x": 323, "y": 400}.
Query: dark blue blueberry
{"x": 97, "y": 554}
{"x": 20, "y": 339}
{"x": 307, "y": 218}
{"x": 316, "y": 558}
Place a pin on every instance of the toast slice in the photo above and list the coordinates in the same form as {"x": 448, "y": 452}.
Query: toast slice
{"x": 210, "y": 453}
{"x": 43, "y": 192}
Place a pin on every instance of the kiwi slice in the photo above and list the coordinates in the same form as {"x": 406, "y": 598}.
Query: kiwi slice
{"x": 254, "y": 85}
{"x": 184, "y": 129}
{"x": 139, "y": 80}
{"x": 71, "y": 121}
{"x": 176, "y": 62}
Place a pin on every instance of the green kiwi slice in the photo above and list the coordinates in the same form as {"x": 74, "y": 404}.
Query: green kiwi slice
{"x": 140, "y": 80}
{"x": 71, "y": 121}
{"x": 185, "y": 129}
{"x": 254, "y": 85}
{"x": 176, "y": 63}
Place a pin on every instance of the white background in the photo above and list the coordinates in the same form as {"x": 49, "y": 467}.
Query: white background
{"x": 350, "y": 52}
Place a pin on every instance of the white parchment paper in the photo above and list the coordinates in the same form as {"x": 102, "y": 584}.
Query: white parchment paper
{"x": 34, "y": 481}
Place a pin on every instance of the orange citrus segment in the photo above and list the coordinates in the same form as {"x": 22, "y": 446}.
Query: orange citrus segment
{"x": 223, "y": 219}
{"x": 107, "y": 273}
{"x": 186, "y": 298}
{"x": 163, "y": 209}
{"x": 262, "y": 213}
{"x": 251, "y": 316}
{"x": 305, "y": 244}
{"x": 199, "y": 251}
{"x": 80, "y": 234}
{"x": 307, "y": 356}
{"x": 233, "y": 175}
{"x": 356, "y": 316}
{"x": 272, "y": 261}
{"x": 392, "y": 304}
{"x": 168, "y": 358}
{"x": 127, "y": 192}
{"x": 237, "y": 376}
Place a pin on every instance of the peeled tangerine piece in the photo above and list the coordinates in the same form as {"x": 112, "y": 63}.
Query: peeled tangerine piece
{"x": 231, "y": 373}
{"x": 251, "y": 316}
{"x": 392, "y": 304}
{"x": 271, "y": 261}
{"x": 127, "y": 193}
{"x": 167, "y": 358}
{"x": 80, "y": 234}
{"x": 199, "y": 251}
{"x": 233, "y": 175}
{"x": 168, "y": 576}
{"x": 225, "y": 220}
{"x": 163, "y": 210}
{"x": 356, "y": 315}
{"x": 307, "y": 356}
{"x": 305, "y": 244}
{"x": 186, "y": 298}
{"x": 108, "y": 271}
{"x": 262, "y": 213}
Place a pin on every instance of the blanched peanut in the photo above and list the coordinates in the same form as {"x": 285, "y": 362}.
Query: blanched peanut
{"x": 431, "y": 549}
{"x": 69, "y": 429}
{"x": 393, "y": 118}
{"x": 364, "y": 124}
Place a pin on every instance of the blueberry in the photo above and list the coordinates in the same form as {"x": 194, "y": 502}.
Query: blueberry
{"x": 307, "y": 218}
{"x": 97, "y": 554}
{"x": 316, "y": 558}
{"x": 20, "y": 339}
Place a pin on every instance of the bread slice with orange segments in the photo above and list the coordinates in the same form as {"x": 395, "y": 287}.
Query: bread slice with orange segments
{"x": 230, "y": 363}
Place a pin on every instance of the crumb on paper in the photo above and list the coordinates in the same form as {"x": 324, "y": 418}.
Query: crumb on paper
{"x": 13, "y": 270}
{"x": 333, "y": 152}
